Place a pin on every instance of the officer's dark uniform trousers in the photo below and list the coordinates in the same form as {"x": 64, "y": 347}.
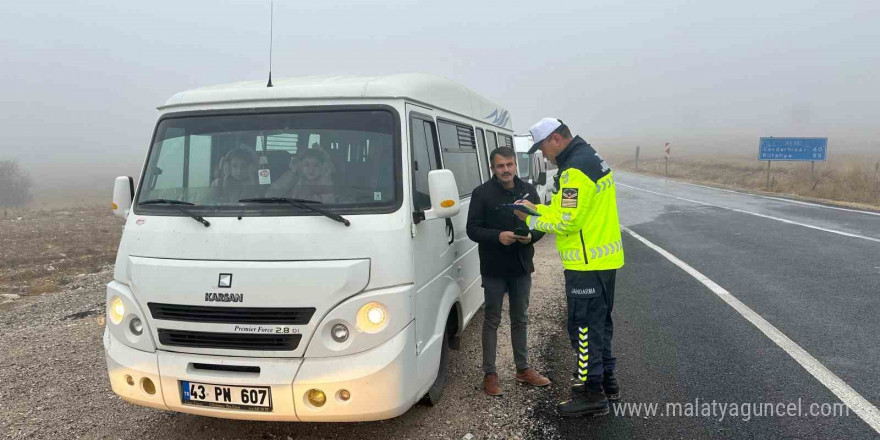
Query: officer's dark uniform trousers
{"x": 590, "y": 297}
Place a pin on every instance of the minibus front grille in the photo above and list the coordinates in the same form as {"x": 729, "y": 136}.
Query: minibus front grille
{"x": 230, "y": 341}
{"x": 232, "y": 315}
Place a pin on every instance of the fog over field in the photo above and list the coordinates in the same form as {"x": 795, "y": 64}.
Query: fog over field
{"x": 81, "y": 79}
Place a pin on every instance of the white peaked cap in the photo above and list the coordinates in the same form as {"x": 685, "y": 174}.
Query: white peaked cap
{"x": 541, "y": 130}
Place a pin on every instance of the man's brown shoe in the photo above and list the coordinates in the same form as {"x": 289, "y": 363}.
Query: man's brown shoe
{"x": 490, "y": 385}
{"x": 532, "y": 377}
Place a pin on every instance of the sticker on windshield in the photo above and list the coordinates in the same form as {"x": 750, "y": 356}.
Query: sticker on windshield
{"x": 377, "y": 196}
{"x": 265, "y": 177}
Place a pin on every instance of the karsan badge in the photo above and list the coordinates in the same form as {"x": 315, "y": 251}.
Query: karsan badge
{"x": 569, "y": 197}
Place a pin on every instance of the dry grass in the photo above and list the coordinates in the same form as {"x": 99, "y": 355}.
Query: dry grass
{"x": 44, "y": 249}
{"x": 854, "y": 179}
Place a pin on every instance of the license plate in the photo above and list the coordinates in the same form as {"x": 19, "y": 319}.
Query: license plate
{"x": 226, "y": 396}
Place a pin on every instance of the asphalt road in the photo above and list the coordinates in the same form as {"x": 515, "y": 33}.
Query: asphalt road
{"x": 810, "y": 272}
{"x": 677, "y": 341}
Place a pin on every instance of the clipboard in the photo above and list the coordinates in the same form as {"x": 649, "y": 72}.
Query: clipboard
{"x": 521, "y": 208}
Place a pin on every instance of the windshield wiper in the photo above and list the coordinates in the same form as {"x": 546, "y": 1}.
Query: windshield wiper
{"x": 179, "y": 205}
{"x": 302, "y": 204}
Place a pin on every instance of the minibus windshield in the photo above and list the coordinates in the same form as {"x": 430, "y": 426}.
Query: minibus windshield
{"x": 344, "y": 159}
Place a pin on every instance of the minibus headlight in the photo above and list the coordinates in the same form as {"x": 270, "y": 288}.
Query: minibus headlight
{"x": 116, "y": 310}
{"x": 372, "y": 317}
{"x": 376, "y": 315}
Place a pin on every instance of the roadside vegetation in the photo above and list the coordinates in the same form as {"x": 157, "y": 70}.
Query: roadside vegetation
{"x": 851, "y": 179}
{"x": 44, "y": 249}
{"x": 15, "y": 184}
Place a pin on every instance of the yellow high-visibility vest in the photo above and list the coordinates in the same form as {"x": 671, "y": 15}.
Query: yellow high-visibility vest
{"x": 583, "y": 215}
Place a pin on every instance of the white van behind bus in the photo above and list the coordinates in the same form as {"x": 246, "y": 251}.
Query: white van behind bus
{"x": 534, "y": 168}
{"x": 299, "y": 252}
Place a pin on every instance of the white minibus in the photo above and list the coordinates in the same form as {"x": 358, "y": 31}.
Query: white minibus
{"x": 298, "y": 252}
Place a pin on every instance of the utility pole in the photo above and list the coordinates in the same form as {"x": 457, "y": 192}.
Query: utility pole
{"x": 637, "y": 157}
{"x": 812, "y": 174}
{"x": 666, "y": 149}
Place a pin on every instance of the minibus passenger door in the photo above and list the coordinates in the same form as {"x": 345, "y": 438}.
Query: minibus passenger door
{"x": 433, "y": 253}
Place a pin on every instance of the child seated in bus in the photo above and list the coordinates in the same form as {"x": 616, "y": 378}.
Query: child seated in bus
{"x": 237, "y": 176}
{"x": 310, "y": 178}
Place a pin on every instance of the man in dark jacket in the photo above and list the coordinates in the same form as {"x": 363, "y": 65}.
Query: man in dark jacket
{"x": 506, "y": 252}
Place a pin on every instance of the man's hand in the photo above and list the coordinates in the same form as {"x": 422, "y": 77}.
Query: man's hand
{"x": 507, "y": 238}
{"x": 521, "y": 215}
{"x": 524, "y": 240}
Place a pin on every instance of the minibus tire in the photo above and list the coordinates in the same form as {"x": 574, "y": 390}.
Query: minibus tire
{"x": 435, "y": 393}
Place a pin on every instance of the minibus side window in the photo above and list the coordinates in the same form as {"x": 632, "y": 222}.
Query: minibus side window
{"x": 282, "y": 141}
{"x": 169, "y": 163}
{"x": 460, "y": 155}
{"x": 424, "y": 149}
{"x": 522, "y": 165}
{"x": 199, "y": 162}
{"x": 314, "y": 139}
{"x": 505, "y": 140}
{"x": 481, "y": 150}
{"x": 493, "y": 144}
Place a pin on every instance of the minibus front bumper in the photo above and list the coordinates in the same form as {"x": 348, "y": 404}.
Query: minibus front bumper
{"x": 378, "y": 382}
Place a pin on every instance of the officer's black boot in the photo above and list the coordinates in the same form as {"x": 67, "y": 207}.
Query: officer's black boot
{"x": 609, "y": 384}
{"x": 587, "y": 401}
{"x": 576, "y": 384}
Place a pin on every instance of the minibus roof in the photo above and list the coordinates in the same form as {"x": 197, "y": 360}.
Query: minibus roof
{"x": 431, "y": 90}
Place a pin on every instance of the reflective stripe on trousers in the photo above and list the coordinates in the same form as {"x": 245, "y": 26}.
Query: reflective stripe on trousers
{"x": 583, "y": 353}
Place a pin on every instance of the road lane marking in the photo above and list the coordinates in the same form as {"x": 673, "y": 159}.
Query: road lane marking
{"x": 858, "y": 404}
{"x": 742, "y": 211}
{"x": 780, "y": 199}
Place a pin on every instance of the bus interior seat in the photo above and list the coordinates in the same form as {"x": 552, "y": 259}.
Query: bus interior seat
{"x": 381, "y": 162}
{"x": 279, "y": 161}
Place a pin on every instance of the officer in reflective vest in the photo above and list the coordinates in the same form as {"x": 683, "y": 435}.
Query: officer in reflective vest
{"x": 583, "y": 215}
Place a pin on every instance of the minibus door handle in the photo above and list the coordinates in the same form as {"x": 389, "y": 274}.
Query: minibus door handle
{"x": 450, "y": 231}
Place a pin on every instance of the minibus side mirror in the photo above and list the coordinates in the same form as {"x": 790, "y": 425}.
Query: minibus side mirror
{"x": 537, "y": 168}
{"x": 542, "y": 178}
{"x": 444, "y": 195}
{"x": 123, "y": 193}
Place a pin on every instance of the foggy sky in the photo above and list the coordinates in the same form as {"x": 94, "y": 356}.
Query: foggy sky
{"x": 80, "y": 80}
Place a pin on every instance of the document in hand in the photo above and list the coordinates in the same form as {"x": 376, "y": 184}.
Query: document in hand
{"x": 522, "y": 208}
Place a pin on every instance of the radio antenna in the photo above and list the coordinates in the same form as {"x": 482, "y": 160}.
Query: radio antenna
{"x": 271, "y": 11}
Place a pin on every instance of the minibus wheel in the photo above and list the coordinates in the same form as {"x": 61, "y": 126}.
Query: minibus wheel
{"x": 435, "y": 393}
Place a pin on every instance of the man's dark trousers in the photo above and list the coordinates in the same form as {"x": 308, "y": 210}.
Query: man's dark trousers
{"x": 590, "y": 297}
{"x": 517, "y": 288}
{"x": 503, "y": 268}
